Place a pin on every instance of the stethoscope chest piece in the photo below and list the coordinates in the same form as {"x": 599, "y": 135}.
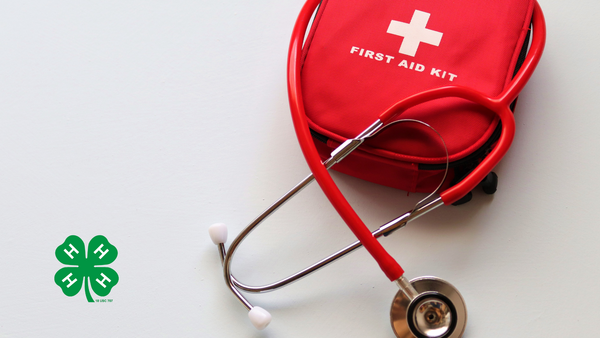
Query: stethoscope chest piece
{"x": 438, "y": 311}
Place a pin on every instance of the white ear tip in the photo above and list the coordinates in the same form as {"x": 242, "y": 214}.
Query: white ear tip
{"x": 218, "y": 233}
{"x": 259, "y": 317}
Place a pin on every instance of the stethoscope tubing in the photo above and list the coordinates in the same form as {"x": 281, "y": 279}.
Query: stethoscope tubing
{"x": 386, "y": 262}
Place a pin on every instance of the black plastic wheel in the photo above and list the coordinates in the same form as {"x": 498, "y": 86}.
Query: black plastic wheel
{"x": 490, "y": 183}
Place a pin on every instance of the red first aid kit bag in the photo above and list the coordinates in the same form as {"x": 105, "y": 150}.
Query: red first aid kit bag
{"x": 361, "y": 57}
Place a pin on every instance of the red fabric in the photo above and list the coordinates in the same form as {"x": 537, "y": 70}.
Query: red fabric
{"x": 344, "y": 91}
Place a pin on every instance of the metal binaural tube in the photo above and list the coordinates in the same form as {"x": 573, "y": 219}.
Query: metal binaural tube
{"x": 227, "y": 255}
{"x": 384, "y": 230}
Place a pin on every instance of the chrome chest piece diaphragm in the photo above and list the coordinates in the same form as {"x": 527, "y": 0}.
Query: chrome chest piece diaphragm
{"x": 437, "y": 311}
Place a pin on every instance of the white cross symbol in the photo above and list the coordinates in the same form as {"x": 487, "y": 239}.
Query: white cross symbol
{"x": 414, "y": 33}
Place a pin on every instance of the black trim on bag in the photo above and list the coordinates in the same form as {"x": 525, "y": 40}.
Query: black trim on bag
{"x": 319, "y": 137}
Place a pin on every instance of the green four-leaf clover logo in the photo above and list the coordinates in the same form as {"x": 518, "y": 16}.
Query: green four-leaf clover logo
{"x": 86, "y": 270}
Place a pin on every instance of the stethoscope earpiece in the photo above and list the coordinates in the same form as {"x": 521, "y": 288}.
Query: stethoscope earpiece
{"x": 218, "y": 233}
{"x": 259, "y": 317}
{"x": 436, "y": 310}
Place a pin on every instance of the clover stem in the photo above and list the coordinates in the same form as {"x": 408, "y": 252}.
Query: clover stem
{"x": 87, "y": 289}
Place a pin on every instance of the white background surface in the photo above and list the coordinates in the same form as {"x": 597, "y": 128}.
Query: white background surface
{"x": 147, "y": 121}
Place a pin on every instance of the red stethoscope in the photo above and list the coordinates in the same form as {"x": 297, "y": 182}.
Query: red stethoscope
{"x": 425, "y": 306}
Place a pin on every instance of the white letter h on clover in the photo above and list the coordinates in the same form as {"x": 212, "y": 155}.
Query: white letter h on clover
{"x": 102, "y": 252}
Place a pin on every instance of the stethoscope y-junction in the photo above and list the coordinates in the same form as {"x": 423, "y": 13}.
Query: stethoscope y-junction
{"x": 424, "y": 306}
